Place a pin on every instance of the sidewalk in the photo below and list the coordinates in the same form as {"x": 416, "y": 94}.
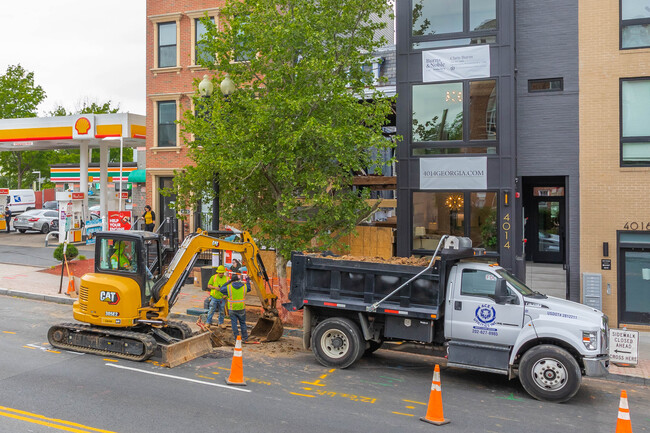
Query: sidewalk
{"x": 28, "y": 282}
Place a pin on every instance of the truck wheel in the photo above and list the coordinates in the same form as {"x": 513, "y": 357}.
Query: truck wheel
{"x": 549, "y": 373}
{"x": 337, "y": 342}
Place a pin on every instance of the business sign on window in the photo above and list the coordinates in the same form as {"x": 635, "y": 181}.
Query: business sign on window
{"x": 453, "y": 173}
{"x": 456, "y": 63}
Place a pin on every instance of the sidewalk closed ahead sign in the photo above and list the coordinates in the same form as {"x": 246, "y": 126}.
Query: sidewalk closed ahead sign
{"x": 624, "y": 346}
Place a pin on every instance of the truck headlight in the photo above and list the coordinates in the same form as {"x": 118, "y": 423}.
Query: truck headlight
{"x": 590, "y": 339}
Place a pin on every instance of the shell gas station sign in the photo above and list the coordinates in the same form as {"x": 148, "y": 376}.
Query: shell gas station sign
{"x": 84, "y": 127}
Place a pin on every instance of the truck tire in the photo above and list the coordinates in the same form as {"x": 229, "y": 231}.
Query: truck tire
{"x": 549, "y": 373}
{"x": 337, "y": 342}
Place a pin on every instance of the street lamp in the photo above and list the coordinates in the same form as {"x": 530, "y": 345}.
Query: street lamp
{"x": 206, "y": 89}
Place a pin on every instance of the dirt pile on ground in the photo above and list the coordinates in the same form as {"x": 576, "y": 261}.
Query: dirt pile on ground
{"x": 77, "y": 267}
{"x": 222, "y": 337}
{"x": 407, "y": 261}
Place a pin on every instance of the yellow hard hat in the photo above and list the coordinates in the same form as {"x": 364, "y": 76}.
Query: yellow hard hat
{"x": 221, "y": 269}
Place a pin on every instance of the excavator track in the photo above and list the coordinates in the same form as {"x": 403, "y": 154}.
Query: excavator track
{"x": 134, "y": 346}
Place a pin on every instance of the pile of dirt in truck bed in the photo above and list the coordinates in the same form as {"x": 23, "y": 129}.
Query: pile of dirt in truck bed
{"x": 407, "y": 261}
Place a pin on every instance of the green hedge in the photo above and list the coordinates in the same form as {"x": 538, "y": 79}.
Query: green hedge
{"x": 70, "y": 252}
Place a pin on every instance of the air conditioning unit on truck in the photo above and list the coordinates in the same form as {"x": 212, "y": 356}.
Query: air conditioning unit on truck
{"x": 486, "y": 318}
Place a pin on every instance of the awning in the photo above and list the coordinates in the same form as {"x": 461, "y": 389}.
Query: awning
{"x": 138, "y": 176}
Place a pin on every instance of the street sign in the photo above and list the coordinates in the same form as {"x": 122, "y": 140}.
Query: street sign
{"x": 624, "y": 346}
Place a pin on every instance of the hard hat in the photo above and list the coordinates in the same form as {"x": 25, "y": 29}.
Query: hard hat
{"x": 221, "y": 269}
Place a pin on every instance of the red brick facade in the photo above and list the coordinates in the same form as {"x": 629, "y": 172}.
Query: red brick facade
{"x": 171, "y": 83}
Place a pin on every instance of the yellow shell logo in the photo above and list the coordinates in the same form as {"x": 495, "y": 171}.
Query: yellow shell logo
{"x": 82, "y": 125}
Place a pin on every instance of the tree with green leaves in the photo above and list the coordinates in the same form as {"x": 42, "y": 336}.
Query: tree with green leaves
{"x": 19, "y": 97}
{"x": 287, "y": 143}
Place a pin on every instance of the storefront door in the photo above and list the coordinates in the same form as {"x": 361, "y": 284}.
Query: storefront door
{"x": 634, "y": 280}
{"x": 548, "y": 219}
{"x": 166, "y": 203}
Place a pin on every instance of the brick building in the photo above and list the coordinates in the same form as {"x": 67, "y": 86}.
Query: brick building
{"x": 173, "y": 28}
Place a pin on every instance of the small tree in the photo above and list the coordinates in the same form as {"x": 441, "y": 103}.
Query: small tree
{"x": 287, "y": 142}
{"x": 70, "y": 252}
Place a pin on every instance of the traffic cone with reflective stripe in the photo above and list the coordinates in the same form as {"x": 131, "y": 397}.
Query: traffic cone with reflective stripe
{"x": 623, "y": 423}
{"x": 434, "y": 409}
{"x": 237, "y": 367}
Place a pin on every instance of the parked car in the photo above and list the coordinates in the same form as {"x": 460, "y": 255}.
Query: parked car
{"x": 94, "y": 210}
{"x": 35, "y": 219}
{"x": 51, "y": 205}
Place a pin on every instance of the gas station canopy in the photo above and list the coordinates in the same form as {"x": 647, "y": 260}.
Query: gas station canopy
{"x": 66, "y": 132}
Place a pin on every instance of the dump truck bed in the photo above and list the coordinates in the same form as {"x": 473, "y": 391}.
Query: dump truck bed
{"x": 354, "y": 285}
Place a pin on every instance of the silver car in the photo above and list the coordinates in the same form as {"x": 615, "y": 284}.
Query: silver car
{"x": 35, "y": 219}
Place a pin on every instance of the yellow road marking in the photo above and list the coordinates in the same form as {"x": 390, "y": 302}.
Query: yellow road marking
{"x": 416, "y": 402}
{"x": 29, "y": 347}
{"x": 332, "y": 370}
{"x": 410, "y": 407}
{"x": 8, "y": 332}
{"x": 48, "y": 424}
{"x": 205, "y": 377}
{"x": 303, "y": 395}
{"x": 215, "y": 372}
{"x": 111, "y": 360}
{"x": 52, "y": 351}
{"x": 323, "y": 376}
{"x": 405, "y": 414}
{"x": 316, "y": 382}
{"x": 307, "y": 389}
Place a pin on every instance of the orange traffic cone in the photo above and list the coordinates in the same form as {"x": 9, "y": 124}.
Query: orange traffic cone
{"x": 237, "y": 367}
{"x": 623, "y": 423}
{"x": 434, "y": 409}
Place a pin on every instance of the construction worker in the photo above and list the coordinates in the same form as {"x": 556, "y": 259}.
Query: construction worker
{"x": 217, "y": 300}
{"x": 119, "y": 259}
{"x": 236, "y": 292}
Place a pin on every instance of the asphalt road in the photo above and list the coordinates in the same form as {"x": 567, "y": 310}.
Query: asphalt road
{"x": 29, "y": 249}
{"x": 45, "y": 390}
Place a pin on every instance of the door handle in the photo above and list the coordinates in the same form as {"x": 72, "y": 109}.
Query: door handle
{"x": 458, "y": 305}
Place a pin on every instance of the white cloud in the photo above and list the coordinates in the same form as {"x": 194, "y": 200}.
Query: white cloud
{"x": 78, "y": 49}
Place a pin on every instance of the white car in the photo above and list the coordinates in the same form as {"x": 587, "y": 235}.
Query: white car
{"x": 35, "y": 219}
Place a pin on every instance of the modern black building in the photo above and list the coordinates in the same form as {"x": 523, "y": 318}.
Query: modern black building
{"x": 488, "y": 110}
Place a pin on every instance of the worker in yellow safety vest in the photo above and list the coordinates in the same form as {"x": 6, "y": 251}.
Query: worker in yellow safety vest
{"x": 217, "y": 300}
{"x": 236, "y": 292}
{"x": 119, "y": 259}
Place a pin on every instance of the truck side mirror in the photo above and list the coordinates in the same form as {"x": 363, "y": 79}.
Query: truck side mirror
{"x": 501, "y": 293}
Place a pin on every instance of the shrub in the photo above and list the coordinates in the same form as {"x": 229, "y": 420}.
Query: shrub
{"x": 82, "y": 257}
{"x": 70, "y": 252}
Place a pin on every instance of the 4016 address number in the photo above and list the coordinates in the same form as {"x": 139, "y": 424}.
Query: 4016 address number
{"x": 637, "y": 226}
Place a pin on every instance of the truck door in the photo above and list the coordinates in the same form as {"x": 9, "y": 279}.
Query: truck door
{"x": 475, "y": 316}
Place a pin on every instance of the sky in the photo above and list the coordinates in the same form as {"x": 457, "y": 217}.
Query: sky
{"x": 78, "y": 50}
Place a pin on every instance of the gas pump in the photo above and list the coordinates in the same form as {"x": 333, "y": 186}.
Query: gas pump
{"x": 4, "y": 200}
{"x": 71, "y": 215}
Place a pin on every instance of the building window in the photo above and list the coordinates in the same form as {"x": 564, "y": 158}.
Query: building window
{"x": 441, "y": 113}
{"x": 166, "y": 124}
{"x": 635, "y": 128}
{"x": 199, "y": 47}
{"x": 635, "y": 24}
{"x": 546, "y": 85}
{"x": 457, "y": 213}
{"x": 167, "y": 44}
{"x": 442, "y": 18}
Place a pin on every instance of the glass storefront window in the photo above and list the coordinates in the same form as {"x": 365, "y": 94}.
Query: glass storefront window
{"x": 482, "y": 15}
{"x": 483, "y": 220}
{"x": 454, "y": 42}
{"x": 437, "y": 17}
{"x": 483, "y": 110}
{"x": 637, "y": 283}
{"x": 438, "y": 213}
{"x": 438, "y": 112}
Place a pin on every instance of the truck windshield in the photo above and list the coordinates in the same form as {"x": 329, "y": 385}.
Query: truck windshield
{"x": 515, "y": 283}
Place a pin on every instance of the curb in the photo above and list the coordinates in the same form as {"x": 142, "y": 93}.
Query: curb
{"x": 635, "y": 380}
{"x": 37, "y": 296}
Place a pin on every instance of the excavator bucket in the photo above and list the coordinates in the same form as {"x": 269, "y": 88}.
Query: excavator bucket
{"x": 267, "y": 329}
{"x": 191, "y": 348}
